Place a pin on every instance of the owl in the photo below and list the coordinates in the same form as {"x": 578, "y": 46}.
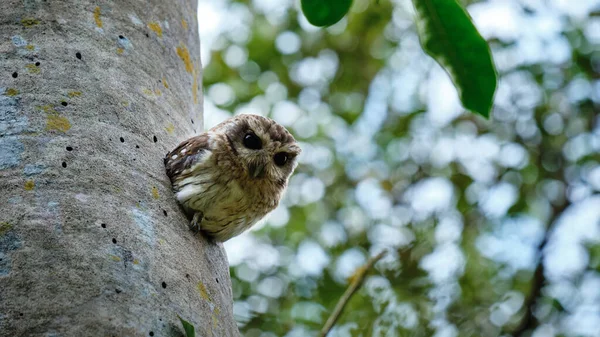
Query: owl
{"x": 231, "y": 176}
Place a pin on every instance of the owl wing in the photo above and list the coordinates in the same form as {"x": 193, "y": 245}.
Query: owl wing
{"x": 186, "y": 154}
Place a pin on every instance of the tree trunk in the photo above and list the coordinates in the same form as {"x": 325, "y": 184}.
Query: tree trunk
{"x": 92, "y": 242}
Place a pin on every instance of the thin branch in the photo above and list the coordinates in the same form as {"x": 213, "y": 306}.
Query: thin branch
{"x": 355, "y": 284}
{"x": 529, "y": 321}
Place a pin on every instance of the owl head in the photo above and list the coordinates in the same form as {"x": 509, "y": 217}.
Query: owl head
{"x": 264, "y": 149}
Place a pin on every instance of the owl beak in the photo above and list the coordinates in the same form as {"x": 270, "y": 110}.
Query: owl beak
{"x": 257, "y": 170}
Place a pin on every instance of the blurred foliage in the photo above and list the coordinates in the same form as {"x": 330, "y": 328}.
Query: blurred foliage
{"x": 469, "y": 208}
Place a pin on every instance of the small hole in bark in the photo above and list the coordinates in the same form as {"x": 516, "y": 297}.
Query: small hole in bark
{"x": 114, "y": 240}
{"x": 164, "y": 285}
{"x": 15, "y": 74}
{"x": 165, "y": 212}
{"x": 78, "y": 55}
{"x": 64, "y": 103}
{"x": 151, "y": 333}
{"x": 155, "y": 139}
{"x": 103, "y": 225}
{"x": 122, "y": 139}
{"x": 147, "y": 35}
{"x": 118, "y": 291}
{"x": 121, "y": 37}
{"x": 64, "y": 164}
{"x": 69, "y": 148}
{"x": 217, "y": 280}
{"x": 160, "y": 319}
{"x": 187, "y": 275}
{"x": 192, "y": 121}
{"x": 21, "y": 314}
{"x": 37, "y": 64}
{"x": 137, "y": 146}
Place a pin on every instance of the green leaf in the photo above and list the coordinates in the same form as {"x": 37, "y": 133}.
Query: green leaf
{"x": 325, "y": 12}
{"x": 449, "y": 36}
{"x": 189, "y": 329}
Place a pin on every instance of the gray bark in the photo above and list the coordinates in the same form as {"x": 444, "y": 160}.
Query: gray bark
{"x": 92, "y": 242}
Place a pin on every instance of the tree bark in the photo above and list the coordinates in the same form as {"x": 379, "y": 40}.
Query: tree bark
{"x": 92, "y": 242}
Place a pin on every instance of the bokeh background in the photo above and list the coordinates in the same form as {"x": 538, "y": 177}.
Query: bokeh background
{"x": 492, "y": 226}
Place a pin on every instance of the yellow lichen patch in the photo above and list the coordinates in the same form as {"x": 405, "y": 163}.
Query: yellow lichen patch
{"x": 120, "y": 51}
{"x": 30, "y": 47}
{"x": 202, "y": 290}
{"x": 161, "y": 241}
{"x": 29, "y": 22}
{"x": 215, "y": 317}
{"x": 184, "y": 55}
{"x": 115, "y": 258}
{"x": 195, "y": 87}
{"x": 136, "y": 261}
{"x": 155, "y": 194}
{"x": 4, "y": 227}
{"x": 74, "y": 94}
{"x": 12, "y": 92}
{"x": 54, "y": 122}
{"x": 97, "y": 17}
{"x": 170, "y": 128}
{"x": 164, "y": 81}
{"x": 184, "y": 24}
{"x": 155, "y": 27}
{"x": 32, "y": 68}
{"x": 148, "y": 92}
{"x": 157, "y": 92}
{"x": 29, "y": 185}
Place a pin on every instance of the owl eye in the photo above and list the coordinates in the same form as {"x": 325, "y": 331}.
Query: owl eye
{"x": 252, "y": 142}
{"x": 280, "y": 158}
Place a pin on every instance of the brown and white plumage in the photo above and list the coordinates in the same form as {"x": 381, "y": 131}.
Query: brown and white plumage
{"x": 231, "y": 176}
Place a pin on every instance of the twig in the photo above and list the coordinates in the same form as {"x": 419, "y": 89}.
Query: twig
{"x": 355, "y": 284}
{"x": 529, "y": 321}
